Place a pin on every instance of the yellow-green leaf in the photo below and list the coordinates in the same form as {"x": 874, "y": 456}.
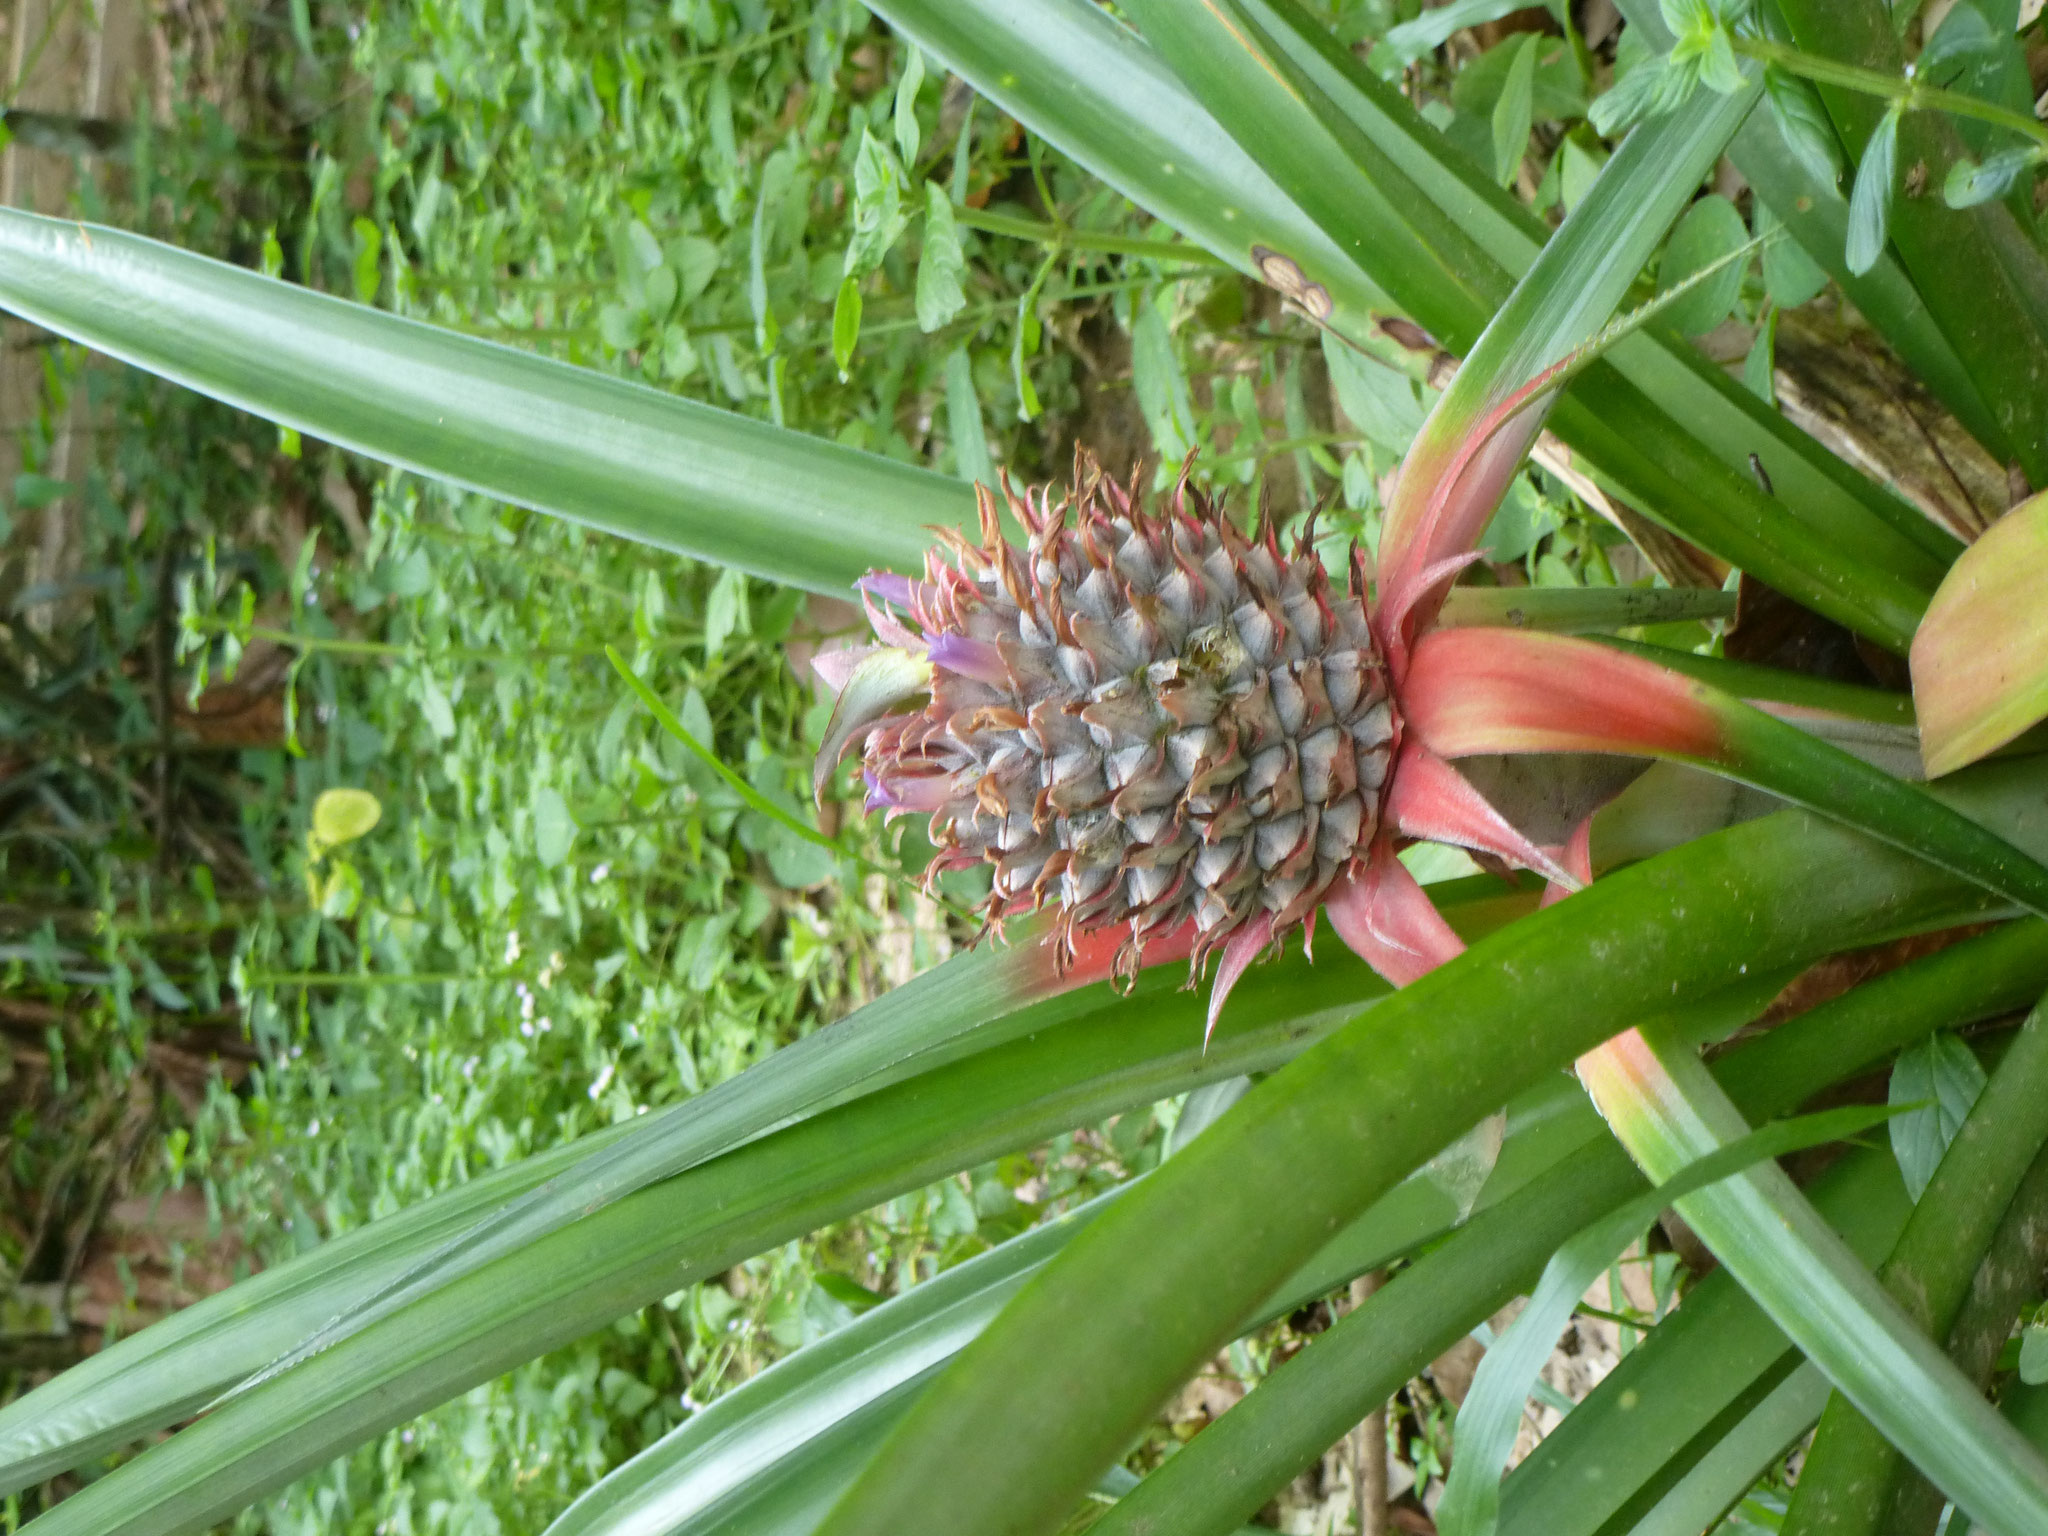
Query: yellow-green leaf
{"x": 1980, "y": 659}
{"x": 343, "y": 815}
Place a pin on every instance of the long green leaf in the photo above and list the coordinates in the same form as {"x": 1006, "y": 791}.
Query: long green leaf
{"x": 1682, "y": 479}
{"x": 801, "y": 1399}
{"x": 1264, "y": 98}
{"x": 175, "y": 1367}
{"x": 1663, "y": 368}
{"x": 582, "y": 445}
{"x": 1020, "y": 1424}
{"x": 984, "y": 993}
{"x": 1232, "y": 1469}
{"x": 1720, "y": 1477}
{"x": 1964, "y": 984}
{"x": 1667, "y": 1110}
{"x": 2005, "y": 1286}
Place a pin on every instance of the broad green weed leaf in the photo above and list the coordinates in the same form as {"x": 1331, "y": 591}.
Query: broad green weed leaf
{"x": 964, "y": 424}
{"x": 1648, "y": 90}
{"x": 1161, "y": 386}
{"x": 2034, "y": 1355}
{"x": 368, "y": 273}
{"x": 1759, "y": 365}
{"x": 1870, "y": 200}
{"x": 1970, "y": 182}
{"x": 725, "y": 611}
{"x": 940, "y": 265}
{"x": 1803, "y": 121}
{"x": 1943, "y": 1077}
{"x": 554, "y": 829}
{"x": 1379, "y": 401}
{"x": 1578, "y": 168}
{"x": 343, "y": 815}
{"x": 1514, "y": 113}
{"x": 905, "y": 115}
{"x": 33, "y": 492}
{"x": 1708, "y": 232}
{"x": 1962, "y": 33}
{"x": 1791, "y": 276}
{"x": 435, "y": 708}
{"x": 1433, "y": 28}
{"x": 846, "y": 310}
{"x": 878, "y": 216}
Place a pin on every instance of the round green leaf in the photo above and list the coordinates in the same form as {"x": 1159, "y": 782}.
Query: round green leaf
{"x": 1710, "y": 231}
{"x": 343, "y": 815}
{"x": 554, "y": 829}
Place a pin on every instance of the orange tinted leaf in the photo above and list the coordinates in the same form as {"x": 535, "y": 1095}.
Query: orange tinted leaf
{"x": 1980, "y": 659}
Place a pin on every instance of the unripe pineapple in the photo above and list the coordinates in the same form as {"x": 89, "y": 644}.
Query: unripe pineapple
{"x": 1143, "y": 718}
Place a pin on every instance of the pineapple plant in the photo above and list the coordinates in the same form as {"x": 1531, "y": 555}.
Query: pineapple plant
{"x": 1186, "y": 738}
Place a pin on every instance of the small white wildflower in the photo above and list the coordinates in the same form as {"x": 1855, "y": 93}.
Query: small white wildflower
{"x": 604, "y": 1079}
{"x": 600, "y": 873}
{"x": 512, "y": 946}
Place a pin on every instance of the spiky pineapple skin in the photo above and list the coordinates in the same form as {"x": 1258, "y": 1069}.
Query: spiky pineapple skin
{"x": 1140, "y": 717}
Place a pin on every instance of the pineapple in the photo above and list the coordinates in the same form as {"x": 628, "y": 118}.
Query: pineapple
{"x": 1150, "y": 719}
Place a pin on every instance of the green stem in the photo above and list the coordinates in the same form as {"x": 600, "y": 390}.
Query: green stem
{"x": 334, "y": 645}
{"x": 255, "y": 980}
{"x": 1066, "y": 236}
{"x": 1875, "y": 82}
